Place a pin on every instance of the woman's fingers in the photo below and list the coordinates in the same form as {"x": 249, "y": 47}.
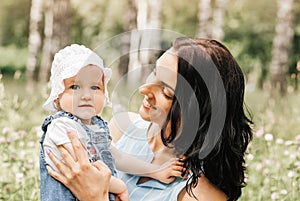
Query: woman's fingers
{"x": 56, "y": 175}
{"x": 79, "y": 150}
{"x": 100, "y": 165}
{"x": 60, "y": 166}
{"x": 70, "y": 164}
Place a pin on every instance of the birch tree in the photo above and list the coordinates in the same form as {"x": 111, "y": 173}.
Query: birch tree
{"x": 34, "y": 43}
{"x": 146, "y": 38}
{"x": 217, "y": 31}
{"x": 211, "y": 16}
{"x": 130, "y": 23}
{"x": 57, "y": 33}
{"x": 282, "y": 44}
{"x": 204, "y": 18}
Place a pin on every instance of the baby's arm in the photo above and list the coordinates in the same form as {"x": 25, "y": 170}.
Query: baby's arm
{"x": 118, "y": 187}
{"x": 165, "y": 173}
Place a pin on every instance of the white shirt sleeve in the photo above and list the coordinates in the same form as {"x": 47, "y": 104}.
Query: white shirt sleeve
{"x": 57, "y": 135}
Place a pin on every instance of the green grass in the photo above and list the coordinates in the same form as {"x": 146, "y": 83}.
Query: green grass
{"x": 273, "y": 160}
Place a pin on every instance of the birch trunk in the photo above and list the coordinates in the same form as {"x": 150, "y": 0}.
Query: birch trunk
{"x": 282, "y": 44}
{"x": 57, "y": 33}
{"x": 217, "y": 31}
{"x": 34, "y": 43}
{"x": 146, "y": 39}
{"x": 129, "y": 24}
{"x": 204, "y": 18}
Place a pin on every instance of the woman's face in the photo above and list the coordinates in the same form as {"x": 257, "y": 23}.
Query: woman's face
{"x": 159, "y": 89}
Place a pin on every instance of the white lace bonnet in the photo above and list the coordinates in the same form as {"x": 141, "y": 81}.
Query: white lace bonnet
{"x": 66, "y": 63}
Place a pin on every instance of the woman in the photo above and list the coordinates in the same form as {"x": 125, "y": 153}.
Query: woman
{"x": 193, "y": 102}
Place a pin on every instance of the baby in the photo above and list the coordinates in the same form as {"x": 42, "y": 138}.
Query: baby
{"x": 78, "y": 95}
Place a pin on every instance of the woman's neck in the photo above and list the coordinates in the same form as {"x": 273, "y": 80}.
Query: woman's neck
{"x": 154, "y": 137}
{"x": 155, "y": 142}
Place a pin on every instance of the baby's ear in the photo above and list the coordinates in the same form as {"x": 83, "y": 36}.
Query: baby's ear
{"x": 57, "y": 105}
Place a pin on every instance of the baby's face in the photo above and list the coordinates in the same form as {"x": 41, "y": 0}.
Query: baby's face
{"x": 84, "y": 93}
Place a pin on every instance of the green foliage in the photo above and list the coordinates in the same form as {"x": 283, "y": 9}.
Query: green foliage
{"x": 14, "y": 22}
{"x": 249, "y": 32}
{"x": 13, "y": 59}
{"x": 180, "y": 16}
{"x": 95, "y": 21}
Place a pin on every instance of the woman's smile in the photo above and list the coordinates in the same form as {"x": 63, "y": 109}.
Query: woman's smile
{"x": 146, "y": 104}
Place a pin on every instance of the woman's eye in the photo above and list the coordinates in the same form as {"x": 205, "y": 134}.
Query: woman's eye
{"x": 167, "y": 94}
{"x": 74, "y": 87}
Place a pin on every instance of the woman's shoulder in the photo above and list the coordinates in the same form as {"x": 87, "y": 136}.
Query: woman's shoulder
{"x": 204, "y": 190}
{"x": 119, "y": 124}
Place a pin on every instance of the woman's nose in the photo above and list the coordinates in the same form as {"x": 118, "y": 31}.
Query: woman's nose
{"x": 146, "y": 89}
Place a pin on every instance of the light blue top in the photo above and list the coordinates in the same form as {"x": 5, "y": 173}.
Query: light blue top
{"x": 134, "y": 142}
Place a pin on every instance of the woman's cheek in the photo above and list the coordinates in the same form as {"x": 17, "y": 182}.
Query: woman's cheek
{"x": 158, "y": 115}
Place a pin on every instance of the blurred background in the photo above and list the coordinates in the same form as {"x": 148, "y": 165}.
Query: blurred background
{"x": 264, "y": 37}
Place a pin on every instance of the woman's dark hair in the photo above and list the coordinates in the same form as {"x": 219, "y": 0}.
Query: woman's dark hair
{"x": 191, "y": 115}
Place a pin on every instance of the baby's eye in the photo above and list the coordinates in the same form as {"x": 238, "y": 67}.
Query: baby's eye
{"x": 75, "y": 87}
{"x": 95, "y": 87}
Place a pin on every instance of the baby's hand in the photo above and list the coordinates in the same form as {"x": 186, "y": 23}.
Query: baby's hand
{"x": 123, "y": 196}
{"x": 170, "y": 170}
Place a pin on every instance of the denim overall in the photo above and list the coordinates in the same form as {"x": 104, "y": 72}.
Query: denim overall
{"x": 52, "y": 189}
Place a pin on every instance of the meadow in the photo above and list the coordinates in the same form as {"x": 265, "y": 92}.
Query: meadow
{"x": 273, "y": 159}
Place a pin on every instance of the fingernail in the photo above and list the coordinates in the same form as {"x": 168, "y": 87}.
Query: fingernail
{"x": 68, "y": 130}
{"x": 48, "y": 151}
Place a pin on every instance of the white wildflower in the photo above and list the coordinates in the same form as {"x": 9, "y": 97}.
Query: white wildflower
{"x": 279, "y": 141}
{"x": 268, "y": 137}
{"x": 274, "y": 196}
{"x": 291, "y": 174}
{"x": 284, "y": 192}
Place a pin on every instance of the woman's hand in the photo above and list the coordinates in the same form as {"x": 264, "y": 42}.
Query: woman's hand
{"x": 88, "y": 182}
